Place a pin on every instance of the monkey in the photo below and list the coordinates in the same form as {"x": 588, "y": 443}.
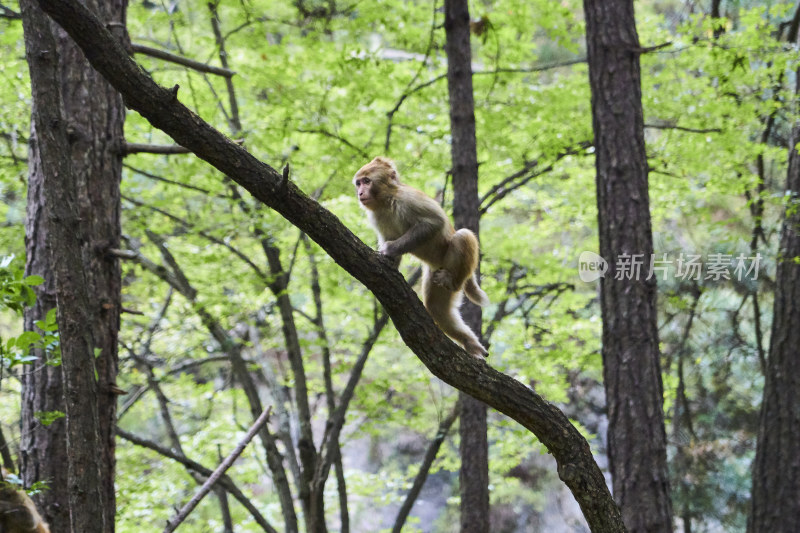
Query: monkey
{"x": 18, "y": 514}
{"x": 407, "y": 220}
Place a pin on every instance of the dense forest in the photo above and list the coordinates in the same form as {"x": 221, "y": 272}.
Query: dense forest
{"x": 201, "y": 331}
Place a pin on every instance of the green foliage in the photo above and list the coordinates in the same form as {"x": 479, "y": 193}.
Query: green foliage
{"x": 15, "y": 294}
{"x": 48, "y": 417}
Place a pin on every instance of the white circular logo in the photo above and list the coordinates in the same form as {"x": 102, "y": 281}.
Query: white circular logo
{"x": 591, "y": 266}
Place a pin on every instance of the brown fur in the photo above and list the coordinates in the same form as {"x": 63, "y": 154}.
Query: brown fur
{"x": 408, "y": 221}
{"x": 18, "y": 514}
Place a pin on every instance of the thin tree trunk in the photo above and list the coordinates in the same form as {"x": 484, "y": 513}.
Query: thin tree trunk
{"x": 775, "y": 506}
{"x": 636, "y": 435}
{"x": 91, "y": 114}
{"x": 43, "y": 449}
{"x": 63, "y": 241}
{"x": 474, "y": 448}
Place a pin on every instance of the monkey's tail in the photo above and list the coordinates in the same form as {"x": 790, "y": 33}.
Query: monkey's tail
{"x": 475, "y": 293}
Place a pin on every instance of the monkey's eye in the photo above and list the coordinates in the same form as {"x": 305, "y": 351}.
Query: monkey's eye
{"x": 365, "y": 181}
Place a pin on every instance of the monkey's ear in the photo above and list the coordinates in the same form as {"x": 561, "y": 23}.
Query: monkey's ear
{"x": 389, "y": 164}
{"x": 385, "y": 161}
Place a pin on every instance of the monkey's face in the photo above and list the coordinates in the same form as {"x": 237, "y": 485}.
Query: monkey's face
{"x": 376, "y": 182}
{"x": 365, "y": 191}
{"x": 371, "y": 187}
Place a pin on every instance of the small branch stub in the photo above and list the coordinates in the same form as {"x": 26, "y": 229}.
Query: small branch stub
{"x": 284, "y": 178}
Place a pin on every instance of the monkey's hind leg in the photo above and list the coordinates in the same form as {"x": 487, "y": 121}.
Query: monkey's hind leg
{"x": 459, "y": 262}
{"x": 442, "y": 304}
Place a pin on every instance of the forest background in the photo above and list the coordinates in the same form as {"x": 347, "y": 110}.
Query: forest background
{"x": 210, "y": 279}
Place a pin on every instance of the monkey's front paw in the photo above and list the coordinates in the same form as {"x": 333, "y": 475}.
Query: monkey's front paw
{"x": 388, "y": 249}
{"x": 444, "y": 279}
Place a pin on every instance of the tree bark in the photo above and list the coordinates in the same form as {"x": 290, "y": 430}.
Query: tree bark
{"x": 775, "y": 505}
{"x": 444, "y": 359}
{"x": 474, "y": 447}
{"x": 89, "y": 114}
{"x": 63, "y": 247}
{"x": 632, "y": 374}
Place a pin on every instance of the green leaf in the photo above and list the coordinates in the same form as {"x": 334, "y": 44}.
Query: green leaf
{"x": 26, "y": 339}
{"x": 48, "y": 417}
{"x": 33, "y": 280}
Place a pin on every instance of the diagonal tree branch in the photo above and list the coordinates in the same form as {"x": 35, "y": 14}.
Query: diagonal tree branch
{"x": 226, "y": 482}
{"x": 576, "y": 466}
{"x": 217, "y": 474}
{"x": 425, "y": 468}
{"x": 177, "y": 280}
{"x": 180, "y": 60}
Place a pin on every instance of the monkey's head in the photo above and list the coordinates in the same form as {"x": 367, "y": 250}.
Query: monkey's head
{"x": 376, "y": 183}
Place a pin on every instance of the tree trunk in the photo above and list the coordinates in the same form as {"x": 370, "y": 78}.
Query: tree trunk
{"x": 775, "y": 506}
{"x": 474, "y": 448}
{"x": 636, "y": 437}
{"x": 69, "y": 97}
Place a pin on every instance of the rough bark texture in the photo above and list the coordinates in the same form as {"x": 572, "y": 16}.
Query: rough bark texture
{"x": 443, "y": 358}
{"x": 474, "y": 447}
{"x": 63, "y": 246}
{"x": 776, "y": 470}
{"x": 43, "y": 449}
{"x": 90, "y": 112}
{"x": 632, "y": 375}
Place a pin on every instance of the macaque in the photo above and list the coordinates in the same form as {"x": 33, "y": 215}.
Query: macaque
{"x": 408, "y": 221}
{"x": 17, "y": 512}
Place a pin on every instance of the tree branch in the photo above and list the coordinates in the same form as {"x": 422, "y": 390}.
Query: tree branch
{"x": 137, "y": 148}
{"x": 424, "y": 469}
{"x": 175, "y": 278}
{"x": 225, "y": 481}
{"x": 180, "y": 60}
{"x": 682, "y": 128}
{"x": 326, "y": 133}
{"x": 218, "y": 472}
{"x": 8, "y": 13}
{"x": 166, "y": 180}
{"x": 576, "y": 466}
{"x": 527, "y": 173}
{"x": 330, "y": 396}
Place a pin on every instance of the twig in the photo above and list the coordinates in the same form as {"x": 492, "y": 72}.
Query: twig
{"x": 166, "y": 180}
{"x": 326, "y": 133}
{"x": 682, "y": 128}
{"x": 500, "y": 70}
{"x": 526, "y": 174}
{"x": 218, "y": 472}
{"x": 226, "y": 482}
{"x": 5, "y": 453}
{"x": 8, "y": 13}
{"x": 233, "y": 349}
{"x": 180, "y": 60}
{"x": 137, "y": 148}
{"x": 423, "y": 64}
{"x": 425, "y": 467}
{"x": 188, "y": 225}
{"x": 648, "y": 49}
{"x": 234, "y": 121}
